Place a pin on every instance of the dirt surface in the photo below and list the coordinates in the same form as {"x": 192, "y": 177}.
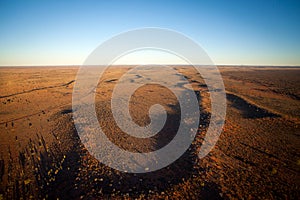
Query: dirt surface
{"x": 256, "y": 157}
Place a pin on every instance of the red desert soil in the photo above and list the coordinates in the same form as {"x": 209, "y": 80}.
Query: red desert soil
{"x": 256, "y": 157}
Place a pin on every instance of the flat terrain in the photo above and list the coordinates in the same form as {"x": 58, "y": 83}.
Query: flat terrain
{"x": 256, "y": 157}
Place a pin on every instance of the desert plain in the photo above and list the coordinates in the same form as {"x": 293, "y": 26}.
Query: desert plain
{"x": 256, "y": 157}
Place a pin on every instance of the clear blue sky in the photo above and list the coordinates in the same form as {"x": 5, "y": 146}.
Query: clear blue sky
{"x": 56, "y": 32}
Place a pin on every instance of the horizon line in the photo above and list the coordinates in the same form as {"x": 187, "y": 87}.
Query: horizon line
{"x": 219, "y": 65}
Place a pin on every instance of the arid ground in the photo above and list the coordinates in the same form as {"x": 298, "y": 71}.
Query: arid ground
{"x": 256, "y": 157}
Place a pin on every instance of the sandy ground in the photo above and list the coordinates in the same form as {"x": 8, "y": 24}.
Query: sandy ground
{"x": 256, "y": 157}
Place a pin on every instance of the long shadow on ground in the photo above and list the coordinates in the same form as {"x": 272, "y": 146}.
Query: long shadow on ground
{"x": 248, "y": 110}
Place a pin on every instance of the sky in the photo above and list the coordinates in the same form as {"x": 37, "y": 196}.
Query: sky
{"x": 240, "y": 32}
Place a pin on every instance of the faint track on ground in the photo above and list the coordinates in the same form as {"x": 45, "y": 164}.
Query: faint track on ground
{"x": 37, "y": 89}
{"x": 32, "y": 90}
{"x": 36, "y": 113}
